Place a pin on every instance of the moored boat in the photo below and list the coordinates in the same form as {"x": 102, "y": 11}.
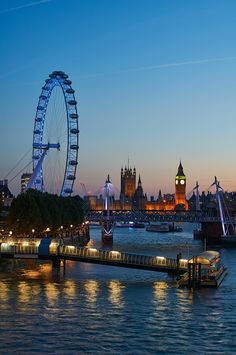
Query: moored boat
{"x": 129, "y": 225}
{"x": 160, "y": 228}
{"x": 204, "y": 270}
{"x": 163, "y": 228}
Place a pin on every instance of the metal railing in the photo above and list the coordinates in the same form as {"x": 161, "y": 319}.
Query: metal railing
{"x": 127, "y": 258}
{"x": 153, "y": 216}
{"x": 116, "y": 257}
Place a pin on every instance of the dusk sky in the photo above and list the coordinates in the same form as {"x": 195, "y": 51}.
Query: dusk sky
{"x": 155, "y": 82}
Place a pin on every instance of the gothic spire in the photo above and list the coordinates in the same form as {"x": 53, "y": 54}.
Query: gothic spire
{"x": 180, "y": 170}
{"x": 139, "y": 181}
{"x": 108, "y": 179}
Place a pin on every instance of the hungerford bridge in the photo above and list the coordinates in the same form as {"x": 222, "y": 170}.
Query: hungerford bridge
{"x": 156, "y": 216}
{"x": 212, "y": 227}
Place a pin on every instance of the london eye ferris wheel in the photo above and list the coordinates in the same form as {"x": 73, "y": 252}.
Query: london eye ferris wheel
{"x": 55, "y": 137}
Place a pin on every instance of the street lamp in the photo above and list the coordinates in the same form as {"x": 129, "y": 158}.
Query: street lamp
{"x": 61, "y": 228}
{"x": 47, "y": 230}
{"x": 71, "y": 226}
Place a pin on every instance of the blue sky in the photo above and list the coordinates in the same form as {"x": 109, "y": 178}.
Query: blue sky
{"x": 155, "y": 81}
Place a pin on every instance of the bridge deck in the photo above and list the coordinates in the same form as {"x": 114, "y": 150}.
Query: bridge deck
{"x": 157, "y": 216}
{"x": 91, "y": 255}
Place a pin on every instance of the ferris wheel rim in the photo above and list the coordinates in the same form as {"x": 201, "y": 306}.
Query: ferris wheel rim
{"x": 60, "y": 79}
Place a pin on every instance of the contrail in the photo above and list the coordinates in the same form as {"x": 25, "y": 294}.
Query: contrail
{"x": 166, "y": 65}
{"x": 30, "y": 4}
{"x": 178, "y": 64}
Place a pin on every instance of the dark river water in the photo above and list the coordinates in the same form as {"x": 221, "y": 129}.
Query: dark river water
{"x": 95, "y": 309}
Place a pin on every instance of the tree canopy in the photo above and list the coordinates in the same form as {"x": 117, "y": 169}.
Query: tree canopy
{"x": 38, "y": 211}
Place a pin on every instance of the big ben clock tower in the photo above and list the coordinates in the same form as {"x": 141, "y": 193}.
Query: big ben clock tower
{"x": 180, "y": 189}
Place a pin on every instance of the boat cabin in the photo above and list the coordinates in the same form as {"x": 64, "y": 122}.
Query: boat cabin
{"x": 210, "y": 263}
{"x": 204, "y": 269}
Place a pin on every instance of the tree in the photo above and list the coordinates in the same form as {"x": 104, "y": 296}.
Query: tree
{"x": 37, "y": 210}
{"x": 24, "y": 214}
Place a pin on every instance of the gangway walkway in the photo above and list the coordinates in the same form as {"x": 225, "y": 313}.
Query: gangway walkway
{"x": 31, "y": 250}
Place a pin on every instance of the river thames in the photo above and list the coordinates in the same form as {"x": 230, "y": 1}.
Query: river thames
{"x": 97, "y": 309}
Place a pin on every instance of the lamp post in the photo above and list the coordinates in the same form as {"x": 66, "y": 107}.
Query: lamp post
{"x": 71, "y": 226}
{"x": 47, "y": 230}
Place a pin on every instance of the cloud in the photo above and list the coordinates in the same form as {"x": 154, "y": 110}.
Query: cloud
{"x": 30, "y": 4}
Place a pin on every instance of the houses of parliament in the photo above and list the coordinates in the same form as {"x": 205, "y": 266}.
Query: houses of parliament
{"x": 132, "y": 195}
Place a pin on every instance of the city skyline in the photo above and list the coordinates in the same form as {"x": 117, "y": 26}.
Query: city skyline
{"x": 154, "y": 81}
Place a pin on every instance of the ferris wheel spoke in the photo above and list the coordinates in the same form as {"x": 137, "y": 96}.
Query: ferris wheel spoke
{"x": 56, "y": 130}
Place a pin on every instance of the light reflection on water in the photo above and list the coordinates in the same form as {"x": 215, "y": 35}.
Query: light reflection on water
{"x": 98, "y": 309}
{"x": 4, "y": 289}
{"x": 52, "y": 293}
{"x": 70, "y": 290}
{"x": 24, "y": 292}
{"x": 91, "y": 289}
{"x": 160, "y": 288}
{"x": 115, "y": 289}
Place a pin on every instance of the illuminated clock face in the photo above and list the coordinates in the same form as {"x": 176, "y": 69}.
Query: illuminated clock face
{"x": 182, "y": 182}
{"x": 176, "y": 181}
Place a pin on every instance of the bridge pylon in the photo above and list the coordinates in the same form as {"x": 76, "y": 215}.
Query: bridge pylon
{"x": 223, "y": 229}
{"x": 107, "y": 221}
{"x": 227, "y": 223}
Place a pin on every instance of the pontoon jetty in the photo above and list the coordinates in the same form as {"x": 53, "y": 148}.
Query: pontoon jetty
{"x": 204, "y": 270}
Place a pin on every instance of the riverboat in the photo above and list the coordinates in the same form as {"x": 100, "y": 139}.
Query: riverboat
{"x": 204, "y": 270}
{"x": 160, "y": 228}
{"x": 163, "y": 228}
{"x": 130, "y": 225}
